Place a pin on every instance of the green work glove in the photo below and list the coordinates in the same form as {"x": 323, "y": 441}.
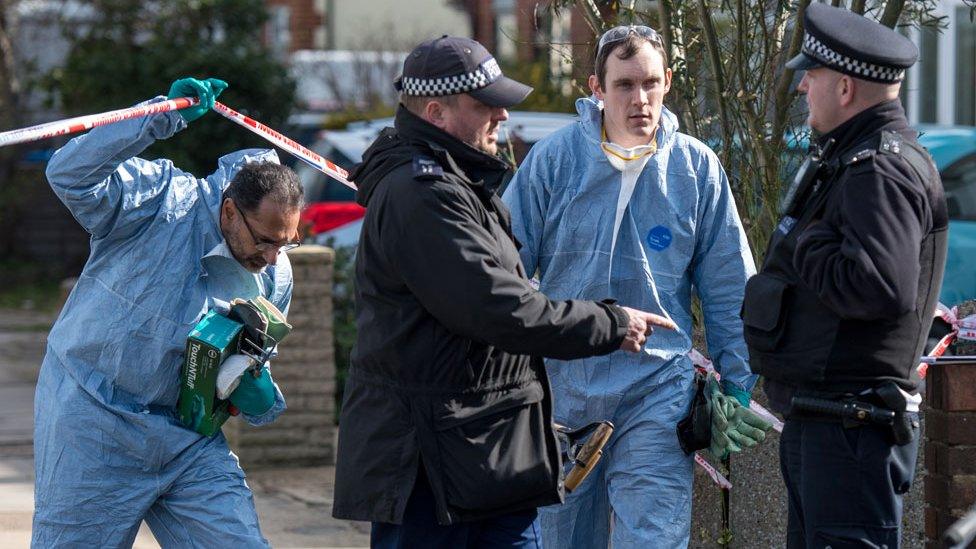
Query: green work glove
{"x": 205, "y": 90}
{"x": 734, "y": 426}
{"x": 255, "y": 395}
{"x": 747, "y": 428}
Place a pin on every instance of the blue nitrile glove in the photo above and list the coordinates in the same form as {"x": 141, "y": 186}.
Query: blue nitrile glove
{"x": 740, "y": 394}
{"x": 205, "y": 90}
{"x": 255, "y": 395}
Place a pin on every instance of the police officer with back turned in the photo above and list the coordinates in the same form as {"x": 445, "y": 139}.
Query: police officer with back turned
{"x": 836, "y": 319}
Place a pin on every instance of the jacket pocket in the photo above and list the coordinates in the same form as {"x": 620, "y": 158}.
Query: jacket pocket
{"x": 492, "y": 449}
{"x": 763, "y": 313}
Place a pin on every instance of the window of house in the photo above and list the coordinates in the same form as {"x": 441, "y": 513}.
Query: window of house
{"x": 959, "y": 181}
{"x": 928, "y": 75}
{"x": 279, "y": 29}
{"x": 966, "y": 65}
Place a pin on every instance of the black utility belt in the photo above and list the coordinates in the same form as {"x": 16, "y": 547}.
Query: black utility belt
{"x": 855, "y": 412}
{"x": 852, "y": 412}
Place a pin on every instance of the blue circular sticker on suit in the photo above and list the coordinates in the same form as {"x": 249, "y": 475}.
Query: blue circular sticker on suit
{"x": 659, "y": 238}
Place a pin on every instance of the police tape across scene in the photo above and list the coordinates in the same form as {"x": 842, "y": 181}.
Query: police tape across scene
{"x": 87, "y": 122}
{"x": 305, "y": 155}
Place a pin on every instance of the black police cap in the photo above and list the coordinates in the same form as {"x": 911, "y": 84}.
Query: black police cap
{"x": 451, "y": 65}
{"x": 852, "y": 44}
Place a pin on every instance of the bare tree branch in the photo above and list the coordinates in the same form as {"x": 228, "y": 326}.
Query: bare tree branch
{"x": 591, "y": 14}
{"x": 781, "y": 100}
{"x": 718, "y": 72}
{"x": 892, "y": 13}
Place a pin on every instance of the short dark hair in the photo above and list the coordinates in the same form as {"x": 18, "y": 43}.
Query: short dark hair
{"x": 626, "y": 48}
{"x": 259, "y": 180}
{"x": 417, "y": 103}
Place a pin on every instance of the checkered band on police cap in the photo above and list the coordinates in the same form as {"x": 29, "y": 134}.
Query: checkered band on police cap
{"x": 842, "y": 63}
{"x": 486, "y": 73}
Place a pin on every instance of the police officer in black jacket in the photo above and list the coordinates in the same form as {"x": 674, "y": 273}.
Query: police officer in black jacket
{"x": 838, "y": 315}
{"x": 446, "y": 434}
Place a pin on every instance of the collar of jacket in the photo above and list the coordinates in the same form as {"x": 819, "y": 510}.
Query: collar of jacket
{"x": 479, "y": 169}
{"x": 590, "y": 110}
{"x": 888, "y": 115}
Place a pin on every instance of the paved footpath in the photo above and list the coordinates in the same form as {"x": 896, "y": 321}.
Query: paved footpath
{"x": 294, "y": 505}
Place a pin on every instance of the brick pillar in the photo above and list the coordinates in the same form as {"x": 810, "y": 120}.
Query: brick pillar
{"x": 950, "y": 447}
{"x": 305, "y": 371}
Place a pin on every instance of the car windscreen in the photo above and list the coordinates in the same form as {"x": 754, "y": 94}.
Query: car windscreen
{"x": 320, "y": 187}
{"x": 959, "y": 181}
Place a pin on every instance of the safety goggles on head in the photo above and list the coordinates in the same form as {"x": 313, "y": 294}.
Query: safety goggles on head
{"x": 620, "y": 33}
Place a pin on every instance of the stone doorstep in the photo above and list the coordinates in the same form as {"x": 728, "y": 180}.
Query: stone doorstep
{"x": 15, "y": 319}
{"x": 23, "y": 449}
{"x": 16, "y": 520}
{"x": 312, "y": 486}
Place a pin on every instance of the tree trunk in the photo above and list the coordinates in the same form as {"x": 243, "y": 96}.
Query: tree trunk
{"x": 892, "y": 13}
{"x": 9, "y": 117}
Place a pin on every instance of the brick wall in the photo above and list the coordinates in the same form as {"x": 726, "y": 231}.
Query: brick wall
{"x": 305, "y": 371}
{"x": 950, "y": 447}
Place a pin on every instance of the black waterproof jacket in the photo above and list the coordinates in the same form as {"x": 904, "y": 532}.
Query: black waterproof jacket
{"x": 447, "y": 368}
{"x": 845, "y": 297}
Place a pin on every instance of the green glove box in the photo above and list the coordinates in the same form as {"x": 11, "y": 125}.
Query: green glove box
{"x": 212, "y": 340}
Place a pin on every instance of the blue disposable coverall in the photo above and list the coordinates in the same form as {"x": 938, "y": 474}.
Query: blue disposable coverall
{"x": 678, "y": 230}
{"x": 109, "y": 448}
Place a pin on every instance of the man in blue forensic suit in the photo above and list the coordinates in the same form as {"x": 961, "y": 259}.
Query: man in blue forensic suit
{"x": 622, "y": 205}
{"x": 110, "y": 450}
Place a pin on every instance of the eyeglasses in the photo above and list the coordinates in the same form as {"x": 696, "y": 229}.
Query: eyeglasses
{"x": 617, "y": 34}
{"x": 264, "y": 247}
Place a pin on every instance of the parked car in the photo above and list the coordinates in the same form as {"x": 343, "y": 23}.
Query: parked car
{"x": 954, "y": 152}
{"x": 332, "y": 213}
{"x": 953, "y": 148}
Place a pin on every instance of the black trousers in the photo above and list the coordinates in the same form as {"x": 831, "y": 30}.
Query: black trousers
{"x": 420, "y": 530}
{"x": 845, "y": 485}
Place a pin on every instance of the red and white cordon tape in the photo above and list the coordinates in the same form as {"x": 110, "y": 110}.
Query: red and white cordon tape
{"x": 87, "y": 122}
{"x": 717, "y": 477}
{"x": 298, "y": 151}
{"x": 962, "y": 328}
